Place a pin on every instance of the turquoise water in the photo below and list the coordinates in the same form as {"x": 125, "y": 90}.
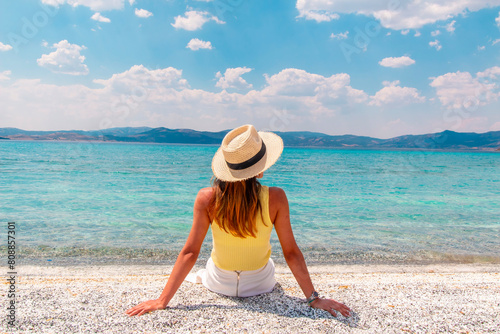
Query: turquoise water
{"x": 108, "y": 202}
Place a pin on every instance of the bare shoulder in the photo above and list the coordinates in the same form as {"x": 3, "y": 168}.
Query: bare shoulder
{"x": 276, "y": 194}
{"x": 204, "y": 197}
{"x": 277, "y": 201}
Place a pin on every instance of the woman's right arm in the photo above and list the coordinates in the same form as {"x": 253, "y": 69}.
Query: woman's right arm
{"x": 187, "y": 257}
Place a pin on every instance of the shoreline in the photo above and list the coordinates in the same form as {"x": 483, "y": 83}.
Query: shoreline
{"x": 164, "y": 257}
{"x": 384, "y": 298}
{"x": 111, "y": 269}
{"x": 133, "y": 270}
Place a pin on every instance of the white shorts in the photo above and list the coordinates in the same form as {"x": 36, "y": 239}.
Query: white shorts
{"x": 236, "y": 284}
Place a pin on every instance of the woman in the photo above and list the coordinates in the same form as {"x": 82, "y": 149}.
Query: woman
{"x": 242, "y": 214}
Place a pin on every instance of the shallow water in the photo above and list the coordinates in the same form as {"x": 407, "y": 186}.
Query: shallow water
{"x": 116, "y": 201}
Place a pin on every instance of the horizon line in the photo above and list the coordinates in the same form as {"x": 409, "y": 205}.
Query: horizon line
{"x": 333, "y": 135}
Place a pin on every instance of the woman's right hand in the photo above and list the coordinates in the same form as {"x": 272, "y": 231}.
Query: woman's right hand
{"x": 146, "y": 307}
{"x": 330, "y": 305}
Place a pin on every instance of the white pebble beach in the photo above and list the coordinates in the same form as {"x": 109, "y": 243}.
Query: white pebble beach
{"x": 447, "y": 298}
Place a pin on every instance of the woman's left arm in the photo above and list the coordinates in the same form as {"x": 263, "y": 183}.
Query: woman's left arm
{"x": 294, "y": 257}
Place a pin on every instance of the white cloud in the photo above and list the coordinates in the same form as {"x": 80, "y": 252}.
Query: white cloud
{"x": 143, "y": 13}
{"x": 53, "y": 2}
{"x": 5, "y": 47}
{"x": 390, "y": 83}
{"x": 472, "y": 124}
{"x": 490, "y": 73}
{"x": 340, "y": 35}
{"x": 232, "y": 78}
{"x": 435, "y": 33}
{"x": 139, "y": 77}
{"x": 396, "y": 62}
{"x": 417, "y": 34}
{"x": 393, "y": 94}
{"x": 135, "y": 97}
{"x": 481, "y": 47}
{"x": 95, "y": 5}
{"x": 497, "y": 20}
{"x": 397, "y": 15}
{"x": 319, "y": 93}
{"x": 194, "y": 20}
{"x": 463, "y": 90}
{"x": 436, "y": 44}
{"x": 292, "y": 99}
{"x": 405, "y": 32}
{"x": 319, "y": 16}
{"x": 98, "y": 17}
{"x": 450, "y": 27}
{"x": 66, "y": 59}
{"x": 4, "y": 76}
{"x": 496, "y": 41}
{"x": 495, "y": 127}
{"x": 131, "y": 2}
{"x": 196, "y": 44}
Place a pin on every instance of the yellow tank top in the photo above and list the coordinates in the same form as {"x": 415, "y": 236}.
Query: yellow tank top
{"x": 233, "y": 253}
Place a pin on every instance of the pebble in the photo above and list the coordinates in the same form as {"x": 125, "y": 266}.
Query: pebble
{"x": 384, "y": 299}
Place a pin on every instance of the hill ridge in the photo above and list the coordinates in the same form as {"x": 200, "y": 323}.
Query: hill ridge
{"x": 447, "y": 139}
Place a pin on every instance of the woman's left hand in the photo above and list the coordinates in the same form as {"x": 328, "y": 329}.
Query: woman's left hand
{"x": 146, "y": 307}
{"x": 330, "y": 305}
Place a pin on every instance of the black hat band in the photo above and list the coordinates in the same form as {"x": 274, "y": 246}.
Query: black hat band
{"x": 250, "y": 162}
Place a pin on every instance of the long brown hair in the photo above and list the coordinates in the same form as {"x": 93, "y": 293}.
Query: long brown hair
{"x": 235, "y": 205}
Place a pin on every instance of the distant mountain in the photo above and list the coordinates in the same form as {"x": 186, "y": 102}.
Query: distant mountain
{"x": 122, "y": 131}
{"x": 179, "y": 136}
{"x": 5, "y": 132}
{"x": 447, "y": 140}
{"x": 322, "y": 140}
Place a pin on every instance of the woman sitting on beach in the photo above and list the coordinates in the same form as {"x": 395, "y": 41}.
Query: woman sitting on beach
{"x": 242, "y": 213}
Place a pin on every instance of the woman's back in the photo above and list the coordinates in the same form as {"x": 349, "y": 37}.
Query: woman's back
{"x": 250, "y": 253}
{"x": 276, "y": 195}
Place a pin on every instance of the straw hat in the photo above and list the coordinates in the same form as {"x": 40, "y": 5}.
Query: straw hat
{"x": 245, "y": 153}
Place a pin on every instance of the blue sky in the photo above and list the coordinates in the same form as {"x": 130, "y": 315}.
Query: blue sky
{"x": 375, "y": 68}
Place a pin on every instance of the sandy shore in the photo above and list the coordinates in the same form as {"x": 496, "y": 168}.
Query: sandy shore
{"x": 385, "y": 299}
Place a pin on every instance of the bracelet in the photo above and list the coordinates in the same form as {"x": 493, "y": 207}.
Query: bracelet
{"x": 313, "y": 297}
{"x": 310, "y": 301}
